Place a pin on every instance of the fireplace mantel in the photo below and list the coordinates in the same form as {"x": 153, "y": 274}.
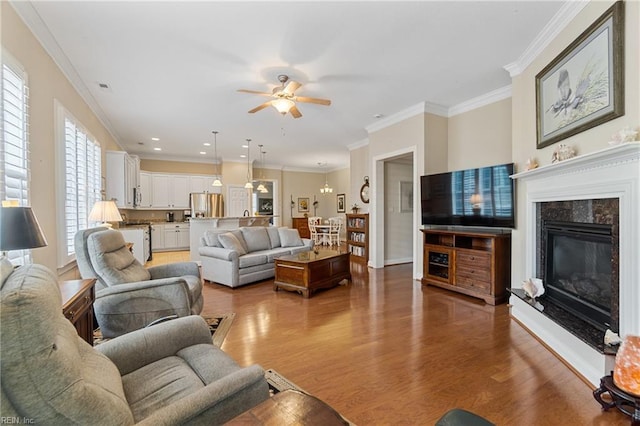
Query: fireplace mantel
{"x": 613, "y": 172}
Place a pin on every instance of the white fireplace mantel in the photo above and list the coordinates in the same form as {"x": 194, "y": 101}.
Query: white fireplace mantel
{"x": 613, "y": 172}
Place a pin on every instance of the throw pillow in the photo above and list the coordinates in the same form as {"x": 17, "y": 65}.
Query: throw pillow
{"x": 211, "y": 238}
{"x": 256, "y": 238}
{"x": 289, "y": 237}
{"x": 274, "y": 237}
{"x": 231, "y": 242}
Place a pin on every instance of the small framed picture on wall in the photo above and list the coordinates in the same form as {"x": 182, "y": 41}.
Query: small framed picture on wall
{"x": 303, "y": 205}
{"x": 340, "y": 202}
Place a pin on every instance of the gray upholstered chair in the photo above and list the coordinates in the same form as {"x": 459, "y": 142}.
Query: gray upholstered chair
{"x": 167, "y": 374}
{"x": 128, "y": 296}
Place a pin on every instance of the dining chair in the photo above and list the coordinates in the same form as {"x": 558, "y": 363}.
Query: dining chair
{"x": 335, "y": 227}
{"x": 313, "y": 222}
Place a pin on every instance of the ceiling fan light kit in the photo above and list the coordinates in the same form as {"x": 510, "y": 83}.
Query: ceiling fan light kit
{"x": 285, "y": 98}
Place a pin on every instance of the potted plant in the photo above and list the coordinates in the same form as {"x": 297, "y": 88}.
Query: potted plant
{"x": 355, "y": 208}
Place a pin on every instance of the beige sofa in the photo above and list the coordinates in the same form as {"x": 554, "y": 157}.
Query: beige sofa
{"x": 246, "y": 255}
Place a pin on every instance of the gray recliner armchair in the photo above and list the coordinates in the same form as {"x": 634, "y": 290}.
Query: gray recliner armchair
{"x": 167, "y": 374}
{"x": 128, "y": 296}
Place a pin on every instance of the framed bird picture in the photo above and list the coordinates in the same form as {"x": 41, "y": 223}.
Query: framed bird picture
{"x": 583, "y": 86}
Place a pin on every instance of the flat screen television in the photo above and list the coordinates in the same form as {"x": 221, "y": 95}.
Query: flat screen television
{"x": 482, "y": 197}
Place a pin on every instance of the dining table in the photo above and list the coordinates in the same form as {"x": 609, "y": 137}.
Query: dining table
{"x": 323, "y": 233}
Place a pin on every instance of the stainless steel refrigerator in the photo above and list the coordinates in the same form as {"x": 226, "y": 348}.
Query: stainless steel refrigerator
{"x": 206, "y": 204}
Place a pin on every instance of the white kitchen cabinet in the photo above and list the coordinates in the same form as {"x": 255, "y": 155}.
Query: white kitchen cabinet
{"x": 176, "y": 236}
{"x": 122, "y": 178}
{"x": 169, "y": 191}
{"x": 144, "y": 191}
{"x": 157, "y": 237}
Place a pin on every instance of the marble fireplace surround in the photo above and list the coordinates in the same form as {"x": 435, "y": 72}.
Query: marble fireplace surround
{"x": 613, "y": 172}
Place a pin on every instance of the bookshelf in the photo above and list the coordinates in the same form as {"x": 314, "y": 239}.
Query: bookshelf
{"x": 358, "y": 236}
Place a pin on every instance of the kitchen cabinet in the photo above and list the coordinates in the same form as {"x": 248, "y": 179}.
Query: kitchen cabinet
{"x": 169, "y": 191}
{"x": 203, "y": 184}
{"x": 144, "y": 191}
{"x": 157, "y": 237}
{"x": 176, "y": 236}
{"x": 122, "y": 178}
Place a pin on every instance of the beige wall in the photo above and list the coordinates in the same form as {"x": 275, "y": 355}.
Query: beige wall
{"x": 359, "y": 165}
{"x": 436, "y": 136}
{"x": 481, "y": 137}
{"x": 46, "y": 83}
{"x": 524, "y": 104}
{"x": 398, "y": 225}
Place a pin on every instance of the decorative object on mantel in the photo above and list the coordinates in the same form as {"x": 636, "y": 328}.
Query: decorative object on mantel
{"x": 623, "y": 136}
{"x": 562, "y": 152}
{"x": 611, "y": 338}
{"x": 531, "y": 164}
{"x": 583, "y": 86}
{"x": 533, "y": 287}
{"x": 315, "y": 205}
{"x": 355, "y": 208}
{"x": 626, "y": 373}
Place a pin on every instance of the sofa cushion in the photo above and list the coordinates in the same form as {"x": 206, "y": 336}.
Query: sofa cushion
{"x": 274, "y": 236}
{"x": 289, "y": 237}
{"x": 275, "y": 253}
{"x": 112, "y": 260}
{"x": 251, "y": 259}
{"x": 231, "y": 242}
{"x": 256, "y": 238}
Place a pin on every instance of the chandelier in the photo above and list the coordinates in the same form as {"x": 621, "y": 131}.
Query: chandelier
{"x": 217, "y": 181}
{"x": 326, "y": 189}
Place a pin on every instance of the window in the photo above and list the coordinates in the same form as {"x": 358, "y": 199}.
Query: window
{"x": 14, "y": 149}
{"x": 81, "y": 157}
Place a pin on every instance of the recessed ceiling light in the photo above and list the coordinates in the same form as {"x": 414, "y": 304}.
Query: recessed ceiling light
{"x": 245, "y": 146}
{"x": 206, "y": 144}
{"x": 202, "y": 152}
{"x": 157, "y": 149}
{"x": 155, "y": 139}
{"x": 243, "y": 156}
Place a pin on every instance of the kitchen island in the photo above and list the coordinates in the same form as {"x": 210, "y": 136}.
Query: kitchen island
{"x": 200, "y": 224}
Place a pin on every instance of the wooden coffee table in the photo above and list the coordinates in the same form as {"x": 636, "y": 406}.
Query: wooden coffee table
{"x": 291, "y": 407}
{"x": 309, "y": 271}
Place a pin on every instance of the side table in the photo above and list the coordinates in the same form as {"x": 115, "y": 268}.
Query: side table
{"x": 627, "y": 403}
{"x": 77, "y": 305}
{"x": 290, "y": 407}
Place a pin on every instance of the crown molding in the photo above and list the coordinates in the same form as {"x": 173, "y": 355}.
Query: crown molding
{"x": 357, "y": 145}
{"x": 480, "y": 101}
{"x": 41, "y": 32}
{"x": 560, "y": 20}
{"x": 421, "y": 108}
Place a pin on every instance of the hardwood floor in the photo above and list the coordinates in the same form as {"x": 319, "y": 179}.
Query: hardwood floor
{"x": 386, "y": 350}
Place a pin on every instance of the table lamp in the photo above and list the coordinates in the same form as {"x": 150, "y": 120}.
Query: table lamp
{"x": 105, "y": 211}
{"x": 19, "y": 230}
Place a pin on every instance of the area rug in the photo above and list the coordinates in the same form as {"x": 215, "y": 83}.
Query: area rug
{"x": 219, "y": 325}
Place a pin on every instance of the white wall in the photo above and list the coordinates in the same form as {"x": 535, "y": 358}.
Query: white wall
{"x": 398, "y": 225}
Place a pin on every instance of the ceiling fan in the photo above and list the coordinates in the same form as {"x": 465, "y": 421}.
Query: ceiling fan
{"x": 285, "y": 97}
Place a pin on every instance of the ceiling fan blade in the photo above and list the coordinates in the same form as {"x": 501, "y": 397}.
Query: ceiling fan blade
{"x": 254, "y": 92}
{"x": 291, "y": 87}
{"x": 313, "y": 100}
{"x": 259, "y": 107}
{"x": 295, "y": 112}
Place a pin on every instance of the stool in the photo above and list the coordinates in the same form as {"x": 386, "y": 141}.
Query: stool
{"x": 627, "y": 403}
{"x": 460, "y": 417}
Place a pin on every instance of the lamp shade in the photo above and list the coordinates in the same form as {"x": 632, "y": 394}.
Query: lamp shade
{"x": 283, "y": 105}
{"x": 20, "y": 229}
{"x": 105, "y": 211}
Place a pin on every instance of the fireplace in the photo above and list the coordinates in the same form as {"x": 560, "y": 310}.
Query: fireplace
{"x": 577, "y": 259}
{"x": 602, "y": 190}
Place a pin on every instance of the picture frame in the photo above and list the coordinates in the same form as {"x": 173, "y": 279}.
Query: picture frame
{"x": 583, "y": 86}
{"x": 303, "y": 205}
{"x": 341, "y": 201}
{"x": 406, "y": 196}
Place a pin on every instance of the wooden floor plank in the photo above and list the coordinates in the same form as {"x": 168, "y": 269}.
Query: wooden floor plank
{"x": 386, "y": 350}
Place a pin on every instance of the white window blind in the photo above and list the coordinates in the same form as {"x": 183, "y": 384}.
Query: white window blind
{"x": 14, "y": 149}
{"x": 82, "y": 181}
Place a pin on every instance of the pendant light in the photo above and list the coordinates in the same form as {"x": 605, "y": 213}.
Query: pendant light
{"x": 217, "y": 181}
{"x": 326, "y": 189}
{"x": 248, "y": 185}
{"x": 263, "y": 189}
